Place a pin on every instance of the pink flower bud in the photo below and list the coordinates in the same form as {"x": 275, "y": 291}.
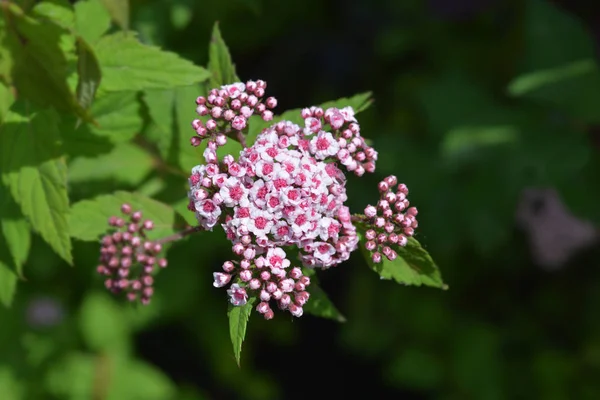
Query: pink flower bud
{"x": 264, "y": 295}
{"x": 376, "y": 257}
{"x": 271, "y": 102}
{"x": 370, "y": 211}
{"x": 370, "y": 234}
{"x": 228, "y": 266}
{"x": 254, "y": 284}
{"x": 267, "y": 115}
{"x": 295, "y": 310}
{"x": 202, "y": 109}
{"x": 262, "y": 307}
{"x": 269, "y": 315}
{"x": 238, "y": 123}
{"x": 195, "y": 141}
{"x": 211, "y": 124}
{"x": 370, "y": 245}
{"x": 245, "y": 275}
{"x": 228, "y": 115}
{"x": 200, "y": 100}
{"x": 285, "y": 301}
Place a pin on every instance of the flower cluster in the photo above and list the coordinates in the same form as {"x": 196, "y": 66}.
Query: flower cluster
{"x": 285, "y": 194}
{"x": 127, "y": 258}
{"x": 393, "y": 220}
{"x": 228, "y": 110}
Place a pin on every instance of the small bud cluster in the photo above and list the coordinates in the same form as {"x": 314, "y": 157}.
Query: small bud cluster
{"x": 127, "y": 258}
{"x": 392, "y": 220}
{"x": 228, "y": 110}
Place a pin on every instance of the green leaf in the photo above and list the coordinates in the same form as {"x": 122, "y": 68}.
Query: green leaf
{"x": 219, "y": 61}
{"x": 91, "y": 19}
{"x": 319, "y": 304}
{"x": 34, "y": 171}
{"x": 573, "y": 88}
{"x": 89, "y": 218}
{"x": 15, "y": 230}
{"x": 6, "y": 100}
{"x": 117, "y": 115}
{"x": 119, "y": 12}
{"x": 58, "y": 11}
{"x": 238, "y": 321}
{"x": 126, "y": 163}
{"x": 37, "y": 61}
{"x": 89, "y": 74}
{"x": 12, "y": 388}
{"x": 414, "y": 266}
{"x": 553, "y": 37}
{"x": 8, "y": 284}
{"x": 161, "y": 107}
{"x": 103, "y": 324}
{"x": 128, "y": 64}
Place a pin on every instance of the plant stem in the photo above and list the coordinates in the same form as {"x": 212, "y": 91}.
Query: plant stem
{"x": 180, "y": 235}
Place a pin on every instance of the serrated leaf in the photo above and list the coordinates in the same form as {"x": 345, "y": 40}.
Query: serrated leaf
{"x": 127, "y": 64}
{"x": 88, "y": 70}
{"x": 413, "y": 266}
{"x": 33, "y": 169}
{"x": 126, "y": 163}
{"x": 219, "y": 61}
{"x": 15, "y": 230}
{"x": 92, "y": 19}
{"x": 89, "y": 218}
{"x": 37, "y": 62}
{"x": 161, "y": 107}
{"x": 117, "y": 116}
{"x": 102, "y": 323}
{"x": 119, "y": 12}
{"x": 319, "y": 304}
{"x": 238, "y": 321}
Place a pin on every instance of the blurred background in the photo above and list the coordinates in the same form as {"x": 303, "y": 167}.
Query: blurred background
{"x": 489, "y": 110}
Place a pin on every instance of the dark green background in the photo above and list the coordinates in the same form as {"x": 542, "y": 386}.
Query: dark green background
{"x": 445, "y": 123}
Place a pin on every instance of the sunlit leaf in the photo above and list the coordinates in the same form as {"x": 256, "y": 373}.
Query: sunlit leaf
{"x": 38, "y": 62}
{"x": 33, "y": 169}
{"x": 89, "y": 218}
{"x": 238, "y": 321}
{"x": 127, "y": 64}
{"x": 117, "y": 116}
{"x": 219, "y": 61}
{"x": 161, "y": 103}
{"x": 15, "y": 229}
{"x": 126, "y": 163}
{"x": 91, "y": 19}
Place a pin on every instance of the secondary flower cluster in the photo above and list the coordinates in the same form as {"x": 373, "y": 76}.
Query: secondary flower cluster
{"x": 127, "y": 259}
{"x": 393, "y": 220}
{"x": 229, "y": 109}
